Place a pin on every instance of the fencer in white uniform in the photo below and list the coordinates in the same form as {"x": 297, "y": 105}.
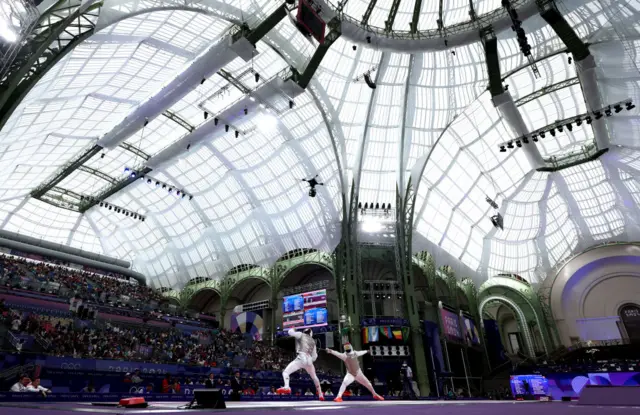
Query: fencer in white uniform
{"x": 307, "y": 354}
{"x": 350, "y": 359}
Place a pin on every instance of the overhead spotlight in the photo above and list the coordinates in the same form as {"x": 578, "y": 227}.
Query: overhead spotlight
{"x": 525, "y": 140}
{"x": 569, "y": 127}
{"x": 202, "y": 82}
{"x": 170, "y": 190}
{"x": 553, "y": 132}
{"x": 190, "y": 197}
{"x": 534, "y": 138}
{"x": 206, "y": 115}
{"x": 518, "y": 143}
{"x": 164, "y": 186}
{"x": 101, "y": 204}
{"x": 560, "y": 128}
{"x": 354, "y": 47}
{"x": 142, "y": 219}
{"x": 215, "y": 121}
{"x": 148, "y": 181}
{"x": 237, "y": 133}
{"x": 246, "y": 111}
{"x": 608, "y": 112}
{"x": 126, "y": 214}
{"x": 226, "y": 128}
{"x": 506, "y": 87}
{"x": 133, "y": 174}
{"x": 81, "y": 197}
{"x": 110, "y": 207}
{"x": 598, "y": 115}
{"x": 579, "y": 122}
{"x": 510, "y": 144}
{"x": 257, "y": 76}
{"x": 102, "y": 155}
{"x": 630, "y": 106}
{"x": 291, "y": 104}
{"x": 177, "y": 192}
{"x": 617, "y": 108}
{"x": 126, "y": 169}
{"x": 503, "y": 149}
{"x": 146, "y": 122}
{"x": 183, "y": 195}
{"x": 588, "y": 120}
{"x": 542, "y": 134}
{"x": 135, "y": 216}
{"x": 157, "y": 184}
{"x": 368, "y": 39}
{"x": 188, "y": 146}
{"x": 569, "y": 60}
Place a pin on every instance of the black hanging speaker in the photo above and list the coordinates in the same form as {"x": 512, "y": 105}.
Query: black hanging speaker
{"x": 208, "y": 398}
{"x": 370, "y": 83}
{"x": 566, "y": 399}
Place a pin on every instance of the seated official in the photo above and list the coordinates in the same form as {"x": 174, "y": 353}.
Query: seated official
{"x": 35, "y": 386}
{"x": 21, "y": 384}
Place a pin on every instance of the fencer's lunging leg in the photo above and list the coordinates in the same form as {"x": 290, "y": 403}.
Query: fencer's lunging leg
{"x": 348, "y": 380}
{"x": 311, "y": 370}
{"x": 291, "y": 368}
{"x": 362, "y": 379}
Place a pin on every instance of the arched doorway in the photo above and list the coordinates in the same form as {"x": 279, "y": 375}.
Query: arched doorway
{"x": 247, "y": 291}
{"x": 205, "y": 300}
{"x": 630, "y": 319}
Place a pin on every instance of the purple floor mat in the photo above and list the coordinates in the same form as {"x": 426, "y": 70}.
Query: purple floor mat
{"x": 347, "y": 408}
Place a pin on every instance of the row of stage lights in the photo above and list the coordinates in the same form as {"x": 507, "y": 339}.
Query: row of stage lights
{"x": 588, "y": 118}
{"x": 159, "y": 184}
{"x": 377, "y": 206}
{"x": 114, "y": 208}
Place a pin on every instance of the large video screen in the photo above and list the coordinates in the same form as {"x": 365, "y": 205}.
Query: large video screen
{"x": 305, "y": 310}
{"x": 529, "y": 385}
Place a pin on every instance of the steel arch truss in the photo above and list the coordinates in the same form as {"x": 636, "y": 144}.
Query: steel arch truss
{"x": 62, "y": 28}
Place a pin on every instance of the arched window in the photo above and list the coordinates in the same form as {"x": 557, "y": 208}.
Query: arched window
{"x": 630, "y": 317}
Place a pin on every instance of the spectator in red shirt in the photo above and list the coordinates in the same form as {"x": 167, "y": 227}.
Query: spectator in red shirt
{"x": 166, "y": 384}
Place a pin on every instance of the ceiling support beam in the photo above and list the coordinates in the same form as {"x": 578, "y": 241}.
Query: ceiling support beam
{"x": 58, "y": 32}
{"x": 319, "y": 54}
{"x": 367, "y": 13}
{"x": 415, "y": 19}
{"x": 393, "y": 11}
{"x": 585, "y": 66}
{"x": 240, "y": 43}
{"x": 66, "y": 170}
{"x": 98, "y": 173}
{"x": 135, "y": 150}
{"x": 503, "y": 101}
{"x": 178, "y": 120}
{"x": 547, "y": 90}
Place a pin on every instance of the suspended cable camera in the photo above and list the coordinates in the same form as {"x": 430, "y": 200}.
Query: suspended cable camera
{"x": 312, "y": 185}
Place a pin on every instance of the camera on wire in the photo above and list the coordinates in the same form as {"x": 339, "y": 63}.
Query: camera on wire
{"x": 312, "y": 185}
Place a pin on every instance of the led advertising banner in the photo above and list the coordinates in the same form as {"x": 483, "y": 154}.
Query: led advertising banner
{"x": 451, "y": 324}
{"x": 305, "y": 310}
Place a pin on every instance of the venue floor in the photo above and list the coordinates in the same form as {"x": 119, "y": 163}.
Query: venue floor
{"x": 329, "y": 407}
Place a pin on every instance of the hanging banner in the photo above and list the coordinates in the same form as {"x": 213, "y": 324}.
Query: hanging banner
{"x": 451, "y": 325}
{"x": 471, "y": 335}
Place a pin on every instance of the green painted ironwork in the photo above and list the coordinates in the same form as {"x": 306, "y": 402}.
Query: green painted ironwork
{"x": 64, "y": 26}
{"x": 404, "y": 268}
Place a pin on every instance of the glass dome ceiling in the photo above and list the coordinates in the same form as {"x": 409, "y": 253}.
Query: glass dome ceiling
{"x": 430, "y": 121}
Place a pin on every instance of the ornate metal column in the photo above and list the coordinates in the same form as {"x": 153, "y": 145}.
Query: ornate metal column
{"x": 404, "y": 229}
